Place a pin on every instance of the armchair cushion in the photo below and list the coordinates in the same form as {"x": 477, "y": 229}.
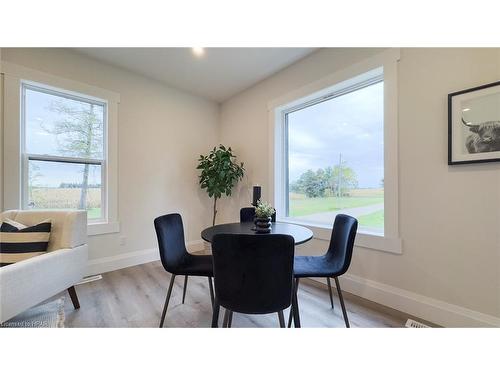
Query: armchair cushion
{"x": 18, "y": 242}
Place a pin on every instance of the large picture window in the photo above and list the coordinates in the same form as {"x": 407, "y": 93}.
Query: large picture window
{"x": 335, "y": 156}
{"x": 63, "y": 151}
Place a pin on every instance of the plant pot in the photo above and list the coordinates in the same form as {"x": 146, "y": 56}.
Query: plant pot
{"x": 262, "y": 224}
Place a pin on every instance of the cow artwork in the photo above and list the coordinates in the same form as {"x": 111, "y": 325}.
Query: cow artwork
{"x": 474, "y": 125}
{"x": 483, "y": 137}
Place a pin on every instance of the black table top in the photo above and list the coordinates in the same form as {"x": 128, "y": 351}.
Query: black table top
{"x": 299, "y": 233}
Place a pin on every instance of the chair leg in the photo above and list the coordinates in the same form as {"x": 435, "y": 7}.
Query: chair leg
{"x": 172, "y": 278}
{"x": 344, "y": 312}
{"x": 294, "y": 296}
{"x": 210, "y": 286}
{"x": 295, "y": 306}
{"x": 330, "y": 290}
{"x": 281, "y": 318}
{"x": 185, "y": 287}
{"x": 74, "y": 297}
{"x": 290, "y": 315}
{"x": 215, "y": 315}
{"x": 230, "y": 320}
{"x": 226, "y": 319}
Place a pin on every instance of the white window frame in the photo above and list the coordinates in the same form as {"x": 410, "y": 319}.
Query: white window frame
{"x": 26, "y": 157}
{"x": 16, "y": 78}
{"x": 382, "y": 64}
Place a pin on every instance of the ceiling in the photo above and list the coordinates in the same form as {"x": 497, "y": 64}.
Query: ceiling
{"x": 217, "y": 75}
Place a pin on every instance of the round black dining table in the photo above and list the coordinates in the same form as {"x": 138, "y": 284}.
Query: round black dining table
{"x": 299, "y": 233}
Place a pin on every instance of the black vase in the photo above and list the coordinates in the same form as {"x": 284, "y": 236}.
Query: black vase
{"x": 262, "y": 224}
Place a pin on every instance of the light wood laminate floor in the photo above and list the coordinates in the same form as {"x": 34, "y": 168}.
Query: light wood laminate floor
{"x": 134, "y": 297}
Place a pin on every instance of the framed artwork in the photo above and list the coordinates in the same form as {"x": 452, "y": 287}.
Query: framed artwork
{"x": 474, "y": 125}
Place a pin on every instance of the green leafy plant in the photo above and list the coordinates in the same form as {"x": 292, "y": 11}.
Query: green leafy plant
{"x": 264, "y": 210}
{"x": 219, "y": 173}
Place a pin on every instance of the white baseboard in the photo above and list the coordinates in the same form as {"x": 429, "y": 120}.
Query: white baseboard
{"x": 430, "y": 309}
{"x": 131, "y": 258}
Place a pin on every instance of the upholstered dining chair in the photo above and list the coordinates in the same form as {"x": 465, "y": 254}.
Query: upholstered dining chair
{"x": 247, "y": 214}
{"x": 334, "y": 263}
{"x": 175, "y": 258}
{"x": 253, "y": 274}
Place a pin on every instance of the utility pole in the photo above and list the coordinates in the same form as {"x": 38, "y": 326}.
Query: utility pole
{"x": 339, "y": 185}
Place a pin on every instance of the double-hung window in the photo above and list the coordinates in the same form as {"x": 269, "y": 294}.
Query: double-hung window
{"x": 63, "y": 150}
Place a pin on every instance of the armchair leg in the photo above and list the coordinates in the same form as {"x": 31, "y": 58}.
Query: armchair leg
{"x": 74, "y": 297}
{"x": 344, "y": 311}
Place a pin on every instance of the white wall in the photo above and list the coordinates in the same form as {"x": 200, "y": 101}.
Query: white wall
{"x": 449, "y": 217}
{"x": 161, "y": 132}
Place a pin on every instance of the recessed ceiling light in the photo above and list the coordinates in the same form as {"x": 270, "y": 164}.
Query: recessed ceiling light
{"x": 465, "y": 109}
{"x": 198, "y": 51}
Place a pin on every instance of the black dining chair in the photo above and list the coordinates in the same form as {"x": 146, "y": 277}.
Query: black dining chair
{"x": 253, "y": 274}
{"x": 247, "y": 214}
{"x": 175, "y": 258}
{"x": 334, "y": 263}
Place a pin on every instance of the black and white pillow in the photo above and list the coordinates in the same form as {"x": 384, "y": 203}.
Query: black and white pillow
{"x": 19, "y": 242}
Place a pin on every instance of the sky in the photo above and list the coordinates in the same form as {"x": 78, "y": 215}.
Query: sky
{"x": 39, "y": 120}
{"x": 351, "y": 125}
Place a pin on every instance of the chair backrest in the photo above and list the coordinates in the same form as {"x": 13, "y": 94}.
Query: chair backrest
{"x": 247, "y": 214}
{"x": 253, "y": 273}
{"x": 342, "y": 241}
{"x": 170, "y": 234}
{"x": 68, "y": 229}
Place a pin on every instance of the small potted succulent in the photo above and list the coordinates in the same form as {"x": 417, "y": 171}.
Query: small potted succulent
{"x": 263, "y": 213}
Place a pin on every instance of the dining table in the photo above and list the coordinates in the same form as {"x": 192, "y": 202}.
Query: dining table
{"x": 300, "y": 233}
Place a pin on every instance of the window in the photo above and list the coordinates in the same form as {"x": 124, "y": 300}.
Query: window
{"x": 63, "y": 151}
{"x": 335, "y": 156}
{"x": 334, "y": 145}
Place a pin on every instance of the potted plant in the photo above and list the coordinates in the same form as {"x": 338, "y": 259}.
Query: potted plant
{"x": 219, "y": 173}
{"x": 263, "y": 213}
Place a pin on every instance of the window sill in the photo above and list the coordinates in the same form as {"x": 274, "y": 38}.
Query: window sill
{"x": 95, "y": 229}
{"x": 365, "y": 240}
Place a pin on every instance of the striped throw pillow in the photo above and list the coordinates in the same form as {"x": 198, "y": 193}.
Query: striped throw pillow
{"x": 19, "y": 242}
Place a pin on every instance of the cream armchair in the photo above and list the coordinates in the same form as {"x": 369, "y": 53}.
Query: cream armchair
{"x": 29, "y": 282}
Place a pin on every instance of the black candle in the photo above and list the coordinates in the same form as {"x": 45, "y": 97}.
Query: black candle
{"x": 256, "y": 195}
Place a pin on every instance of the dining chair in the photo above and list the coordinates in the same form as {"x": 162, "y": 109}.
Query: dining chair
{"x": 334, "y": 263}
{"x": 247, "y": 214}
{"x": 175, "y": 258}
{"x": 253, "y": 274}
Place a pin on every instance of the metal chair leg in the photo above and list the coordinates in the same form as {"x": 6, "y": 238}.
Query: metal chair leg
{"x": 210, "y": 286}
{"x": 344, "y": 312}
{"x": 290, "y": 314}
{"x": 172, "y": 278}
{"x": 281, "y": 319}
{"x": 185, "y": 287}
{"x": 226, "y": 319}
{"x": 230, "y": 320}
{"x": 215, "y": 315}
{"x": 295, "y": 306}
{"x": 330, "y": 290}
